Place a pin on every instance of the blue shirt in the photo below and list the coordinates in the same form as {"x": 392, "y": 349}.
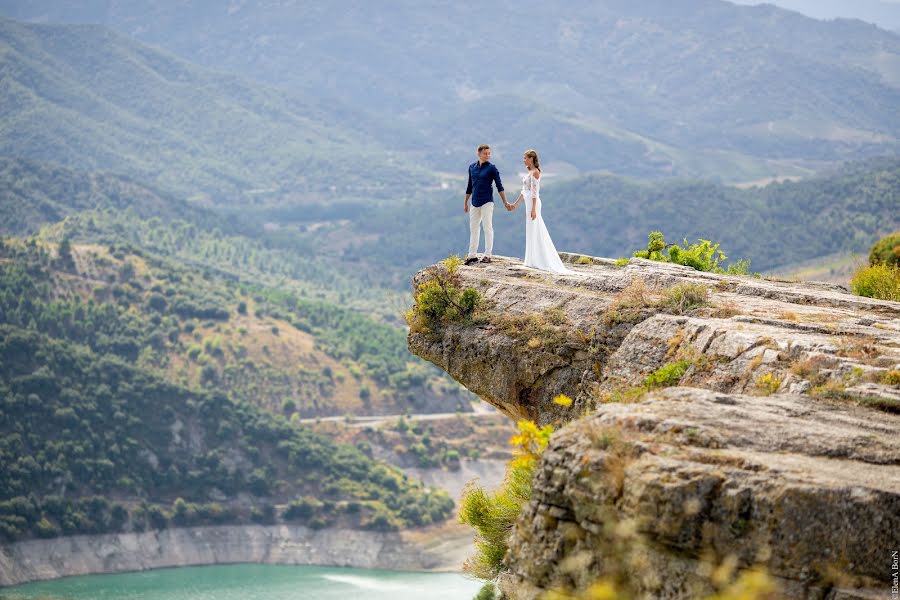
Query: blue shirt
{"x": 480, "y": 178}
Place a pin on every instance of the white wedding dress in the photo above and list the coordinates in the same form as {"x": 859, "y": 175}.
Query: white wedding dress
{"x": 540, "y": 253}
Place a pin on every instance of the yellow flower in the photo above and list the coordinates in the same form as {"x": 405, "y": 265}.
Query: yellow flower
{"x": 563, "y": 400}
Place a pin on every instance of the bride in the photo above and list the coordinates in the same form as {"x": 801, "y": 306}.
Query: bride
{"x": 539, "y": 250}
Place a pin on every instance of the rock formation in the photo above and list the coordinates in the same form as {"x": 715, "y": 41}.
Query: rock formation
{"x": 716, "y": 418}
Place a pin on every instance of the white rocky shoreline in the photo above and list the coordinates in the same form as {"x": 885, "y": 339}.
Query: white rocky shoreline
{"x": 41, "y": 559}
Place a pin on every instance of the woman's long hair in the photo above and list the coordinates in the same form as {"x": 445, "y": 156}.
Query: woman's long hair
{"x": 534, "y": 158}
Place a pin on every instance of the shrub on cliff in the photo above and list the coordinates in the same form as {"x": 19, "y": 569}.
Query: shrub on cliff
{"x": 880, "y": 281}
{"x": 886, "y": 251}
{"x": 439, "y": 298}
{"x": 492, "y": 514}
{"x": 702, "y": 255}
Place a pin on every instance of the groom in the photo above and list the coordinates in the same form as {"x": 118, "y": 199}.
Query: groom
{"x": 481, "y": 175}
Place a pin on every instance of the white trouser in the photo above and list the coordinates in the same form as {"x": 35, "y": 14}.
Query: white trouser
{"x": 481, "y": 215}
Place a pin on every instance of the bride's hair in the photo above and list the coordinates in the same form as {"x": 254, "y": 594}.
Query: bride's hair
{"x": 534, "y": 158}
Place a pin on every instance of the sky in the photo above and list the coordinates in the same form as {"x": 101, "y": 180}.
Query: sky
{"x": 884, "y": 13}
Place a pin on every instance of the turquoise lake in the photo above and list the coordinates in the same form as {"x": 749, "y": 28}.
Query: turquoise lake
{"x": 251, "y": 582}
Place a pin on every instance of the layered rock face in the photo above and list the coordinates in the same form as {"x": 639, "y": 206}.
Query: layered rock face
{"x": 777, "y": 446}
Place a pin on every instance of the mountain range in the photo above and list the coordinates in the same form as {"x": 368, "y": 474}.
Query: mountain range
{"x": 703, "y": 88}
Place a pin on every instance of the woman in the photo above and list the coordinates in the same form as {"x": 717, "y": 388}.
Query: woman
{"x": 539, "y": 250}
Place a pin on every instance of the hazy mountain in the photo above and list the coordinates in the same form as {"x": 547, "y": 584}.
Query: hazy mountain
{"x": 648, "y": 88}
{"x": 85, "y": 97}
{"x": 880, "y": 12}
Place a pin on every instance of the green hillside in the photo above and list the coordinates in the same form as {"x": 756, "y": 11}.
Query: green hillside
{"x": 85, "y": 97}
{"x": 34, "y": 194}
{"x": 91, "y": 444}
{"x": 267, "y": 346}
{"x": 121, "y": 377}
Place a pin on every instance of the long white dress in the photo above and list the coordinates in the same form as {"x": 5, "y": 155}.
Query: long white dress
{"x": 540, "y": 253}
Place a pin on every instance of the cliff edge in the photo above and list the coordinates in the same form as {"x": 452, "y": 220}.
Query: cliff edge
{"x": 716, "y": 419}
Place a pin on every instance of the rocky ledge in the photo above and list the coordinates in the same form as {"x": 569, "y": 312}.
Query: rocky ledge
{"x": 716, "y": 419}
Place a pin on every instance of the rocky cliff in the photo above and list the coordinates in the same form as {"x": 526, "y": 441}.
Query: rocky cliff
{"x": 717, "y": 419}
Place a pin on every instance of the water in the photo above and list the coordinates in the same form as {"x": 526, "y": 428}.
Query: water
{"x": 251, "y": 582}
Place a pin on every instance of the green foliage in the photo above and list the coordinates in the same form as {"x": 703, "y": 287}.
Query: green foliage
{"x": 667, "y": 375}
{"x": 492, "y": 514}
{"x": 880, "y": 281}
{"x": 886, "y": 251}
{"x": 487, "y": 592}
{"x": 702, "y": 255}
{"x": 127, "y": 319}
{"x": 439, "y": 298}
{"x": 94, "y": 421}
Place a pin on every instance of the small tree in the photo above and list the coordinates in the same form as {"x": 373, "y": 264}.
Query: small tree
{"x": 66, "y": 260}
{"x": 886, "y": 251}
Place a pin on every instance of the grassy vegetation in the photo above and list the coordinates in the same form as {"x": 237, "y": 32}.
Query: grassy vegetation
{"x": 637, "y": 301}
{"x": 667, "y": 375}
{"x": 684, "y": 297}
{"x": 492, "y": 514}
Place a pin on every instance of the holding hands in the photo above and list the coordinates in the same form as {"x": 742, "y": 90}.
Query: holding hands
{"x": 512, "y": 207}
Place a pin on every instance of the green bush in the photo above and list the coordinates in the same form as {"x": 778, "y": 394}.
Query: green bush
{"x": 439, "y": 299}
{"x": 702, "y": 255}
{"x": 877, "y": 281}
{"x": 886, "y": 251}
{"x": 667, "y": 375}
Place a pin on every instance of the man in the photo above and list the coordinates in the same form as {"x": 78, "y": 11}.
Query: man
{"x": 482, "y": 174}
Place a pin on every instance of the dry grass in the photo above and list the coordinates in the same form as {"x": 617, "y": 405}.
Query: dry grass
{"x": 811, "y": 368}
{"x": 537, "y": 330}
{"x": 725, "y": 310}
{"x": 629, "y": 304}
{"x": 859, "y": 347}
{"x": 685, "y": 297}
{"x": 674, "y": 343}
{"x": 619, "y": 453}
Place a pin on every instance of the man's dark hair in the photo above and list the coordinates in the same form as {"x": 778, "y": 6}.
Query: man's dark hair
{"x": 483, "y": 147}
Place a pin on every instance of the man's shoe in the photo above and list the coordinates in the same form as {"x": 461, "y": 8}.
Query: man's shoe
{"x": 486, "y": 259}
{"x": 470, "y": 259}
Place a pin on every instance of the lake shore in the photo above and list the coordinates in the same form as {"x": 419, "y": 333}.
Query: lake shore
{"x": 438, "y": 548}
